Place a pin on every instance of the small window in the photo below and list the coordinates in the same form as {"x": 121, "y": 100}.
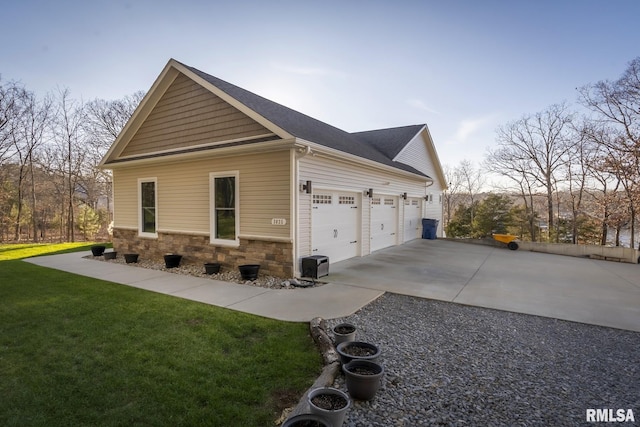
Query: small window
{"x": 414, "y": 202}
{"x": 321, "y": 199}
{"x": 388, "y": 202}
{"x": 347, "y": 200}
{"x": 224, "y": 209}
{"x": 407, "y": 202}
{"x": 375, "y": 201}
{"x": 147, "y": 207}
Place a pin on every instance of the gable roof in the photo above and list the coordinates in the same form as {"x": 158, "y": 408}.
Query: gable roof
{"x": 389, "y": 141}
{"x": 283, "y": 120}
{"x": 305, "y": 127}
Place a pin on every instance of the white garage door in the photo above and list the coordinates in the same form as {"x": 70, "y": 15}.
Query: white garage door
{"x": 384, "y": 222}
{"x": 335, "y": 225}
{"x": 412, "y": 219}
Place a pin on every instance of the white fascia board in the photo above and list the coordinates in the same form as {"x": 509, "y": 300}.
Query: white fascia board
{"x": 232, "y": 150}
{"x": 149, "y": 101}
{"x": 436, "y": 159}
{"x": 341, "y": 155}
{"x": 406, "y": 147}
{"x": 431, "y": 149}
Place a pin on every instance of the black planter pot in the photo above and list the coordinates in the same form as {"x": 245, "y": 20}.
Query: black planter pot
{"x": 98, "y": 250}
{"x": 110, "y": 255}
{"x": 346, "y": 350}
{"x": 363, "y": 378}
{"x": 130, "y": 258}
{"x": 172, "y": 260}
{"x": 212, "y": 268}
{"x": 249, "y": 271}
{"x": 304, "y": 420}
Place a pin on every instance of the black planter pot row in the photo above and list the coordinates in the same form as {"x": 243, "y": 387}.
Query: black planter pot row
{"x": 247, "y": 272}
{"x": 363, "y": 377}
{"x": 360, "y": 366}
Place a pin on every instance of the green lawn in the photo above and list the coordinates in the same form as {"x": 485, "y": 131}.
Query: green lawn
{"x": 26, "y": 250}
{"x": 84, "y": 352}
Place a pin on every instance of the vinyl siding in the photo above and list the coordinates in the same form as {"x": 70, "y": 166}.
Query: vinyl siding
{"x": 417, "y": 155}
{"x": 183, "y": 193}
{"x": 304, "y": 224}
{"x": 188, "y": 115}
{"x": 433, "y": 209}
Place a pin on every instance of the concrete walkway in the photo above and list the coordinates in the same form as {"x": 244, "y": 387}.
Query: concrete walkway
{"x": 296, "y": 305}
{"x": 582, "y": 290}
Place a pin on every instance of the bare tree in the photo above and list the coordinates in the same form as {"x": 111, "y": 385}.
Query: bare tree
{"x": 582, "y": 154}
{"x": 9, "y": 97}
{"x": 617, "y": 104}
{"x": 104, "y": 122}
{"x": 471, "y": 181}
{"x": 539, "y": 145}
{"x": 508, "y": 163}
{"x": 452, "y": 196}
{"x": 71, "y": 151}
{"x": 31, "y": 121}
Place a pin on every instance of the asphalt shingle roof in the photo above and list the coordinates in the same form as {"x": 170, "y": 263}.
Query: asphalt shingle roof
{"x": 368, "y": 145}
{"x": 389, "y": 141}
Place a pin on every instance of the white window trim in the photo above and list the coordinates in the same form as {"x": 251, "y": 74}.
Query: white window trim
{"x": 140, "y": 216}
{"x": 212, "y": 208}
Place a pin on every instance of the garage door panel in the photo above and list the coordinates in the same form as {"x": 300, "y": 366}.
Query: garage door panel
{"x": 384, "y": 222}
{"x": 335, "y": 228}
{"x": 412, "y": 219}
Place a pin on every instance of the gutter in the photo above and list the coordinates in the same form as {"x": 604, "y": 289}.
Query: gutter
{"x": 321, "y": 150}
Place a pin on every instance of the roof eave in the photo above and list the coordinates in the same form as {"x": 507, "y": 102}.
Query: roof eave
{"x": 320, "y": 149}
{"x": 222, "y": 150}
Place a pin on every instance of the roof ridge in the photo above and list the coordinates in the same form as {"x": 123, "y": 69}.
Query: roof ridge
{"x": 391, "y": 128}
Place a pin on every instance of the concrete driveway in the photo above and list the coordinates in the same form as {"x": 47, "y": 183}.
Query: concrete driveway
{"x": 578, "y": 289}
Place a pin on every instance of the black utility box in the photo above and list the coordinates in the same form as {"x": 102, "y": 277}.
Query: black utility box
{"x": 315, "y": 266}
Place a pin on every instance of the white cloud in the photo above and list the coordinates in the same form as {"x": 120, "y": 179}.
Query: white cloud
{"x": 469, "y": 127}
{"x": 419, "y": 104}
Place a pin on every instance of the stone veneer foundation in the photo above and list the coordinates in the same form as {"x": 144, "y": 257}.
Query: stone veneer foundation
{"x": 275, "y": 258}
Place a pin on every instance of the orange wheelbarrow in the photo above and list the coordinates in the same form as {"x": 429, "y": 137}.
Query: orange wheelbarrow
{"x": 508, "y": 239}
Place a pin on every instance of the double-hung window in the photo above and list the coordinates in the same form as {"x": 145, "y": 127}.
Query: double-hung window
{"x": 147, "y": 207}
{"x": 225, "y": 218}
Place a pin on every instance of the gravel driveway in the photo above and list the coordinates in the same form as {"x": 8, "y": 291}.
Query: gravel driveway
{"x": 455, "y": 365}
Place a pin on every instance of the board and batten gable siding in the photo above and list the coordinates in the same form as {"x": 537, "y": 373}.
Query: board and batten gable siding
{"x": 332, "y": 174}
{"x": 183, "y": 193}
{"x": 188, "y": 115}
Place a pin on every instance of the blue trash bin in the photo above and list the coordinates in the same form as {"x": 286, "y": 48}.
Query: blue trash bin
{"x": 429, "y": 228}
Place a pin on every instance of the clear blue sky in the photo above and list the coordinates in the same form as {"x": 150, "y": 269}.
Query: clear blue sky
{"x": 462, "y": 67}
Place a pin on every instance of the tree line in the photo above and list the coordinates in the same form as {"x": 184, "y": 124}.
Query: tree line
{"x": 572, "y": 175}
{"x": 50, "y": 186}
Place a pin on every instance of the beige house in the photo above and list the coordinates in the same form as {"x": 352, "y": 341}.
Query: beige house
{"x": 218, "y": 174}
